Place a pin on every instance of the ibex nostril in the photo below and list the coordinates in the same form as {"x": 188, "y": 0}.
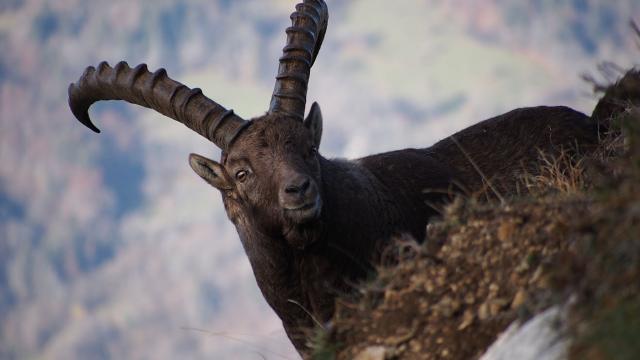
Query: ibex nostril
{"x": 291, "y": 189}
{"x": 299, "y": 188}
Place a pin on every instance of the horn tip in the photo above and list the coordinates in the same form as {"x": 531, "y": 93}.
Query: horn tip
{"x": 92, "y": 127}
{"x": 79, "y": 111}
{"x": 86, "y": 121}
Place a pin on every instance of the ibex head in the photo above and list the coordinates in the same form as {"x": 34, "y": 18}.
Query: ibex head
{"x": 273, "y": 167}
{"x": 269, "y": 166}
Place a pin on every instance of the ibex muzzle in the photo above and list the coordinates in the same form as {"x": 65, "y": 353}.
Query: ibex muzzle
{"x": 299, "y": 198}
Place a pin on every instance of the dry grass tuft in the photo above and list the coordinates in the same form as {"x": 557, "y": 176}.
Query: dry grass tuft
{"x": 562, "y": 173}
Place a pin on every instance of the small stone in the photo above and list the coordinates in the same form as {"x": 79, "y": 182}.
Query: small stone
{"x": 455, "y": 305}
{"x": 494, "y": 288}
{"x": 415, "y": 346}
{"x": 447, "y": 306}
{"x": 372, "y": 353}
{"x": 536, "y": 276}
{"x": 469, "y": 299}
{"x": 429, "y": 287}
{"x": 467, "y": 319}
{"x": 519, "y": 299}
{"x": 456, "y": 240}
{"x": 497, "y": 305}
{"x": 545, "y": 282}
{"x": 522, "y": 267}
{"x": 483, "y": 311}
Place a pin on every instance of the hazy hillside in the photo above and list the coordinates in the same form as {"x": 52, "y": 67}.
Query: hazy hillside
{"x": 110, "y": 247}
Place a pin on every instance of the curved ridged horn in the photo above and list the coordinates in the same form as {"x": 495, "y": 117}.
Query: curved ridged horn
{"x": 304, "y": 38}
{"x": 155, "y": 91}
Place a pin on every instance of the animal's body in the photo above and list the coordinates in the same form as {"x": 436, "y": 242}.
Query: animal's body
{"x": 312, "y": 226}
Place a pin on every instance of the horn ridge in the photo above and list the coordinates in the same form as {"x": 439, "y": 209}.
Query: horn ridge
{"x": 304, "y": 39}
{"x": 183, "y": 107}
{"x": 156, "y": 91}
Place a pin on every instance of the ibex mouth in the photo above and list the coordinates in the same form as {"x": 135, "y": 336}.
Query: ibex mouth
{"x": 303, "y": 207}
{"x": 305, "y": 212}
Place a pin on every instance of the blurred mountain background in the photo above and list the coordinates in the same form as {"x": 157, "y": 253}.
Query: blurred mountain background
{"x": 111, "y": 248}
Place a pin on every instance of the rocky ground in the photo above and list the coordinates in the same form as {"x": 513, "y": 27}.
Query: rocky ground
{"x": 573, "y": 234}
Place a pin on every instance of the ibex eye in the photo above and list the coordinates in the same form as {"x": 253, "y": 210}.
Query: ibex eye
{"x": 241, "y": 175}
{"x": 313, "y": 150}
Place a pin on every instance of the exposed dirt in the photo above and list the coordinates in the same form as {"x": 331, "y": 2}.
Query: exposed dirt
{"x": 452, "y": 303}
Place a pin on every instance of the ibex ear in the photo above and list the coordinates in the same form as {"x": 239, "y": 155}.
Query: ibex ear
{"x": 211, "y": 171}
{"x": 313, "y": 122}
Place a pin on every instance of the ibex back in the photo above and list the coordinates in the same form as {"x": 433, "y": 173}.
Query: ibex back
{"x": 311, "y": 226}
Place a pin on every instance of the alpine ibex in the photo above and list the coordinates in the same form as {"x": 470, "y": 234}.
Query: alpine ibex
{"x": 312, "y": 226}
